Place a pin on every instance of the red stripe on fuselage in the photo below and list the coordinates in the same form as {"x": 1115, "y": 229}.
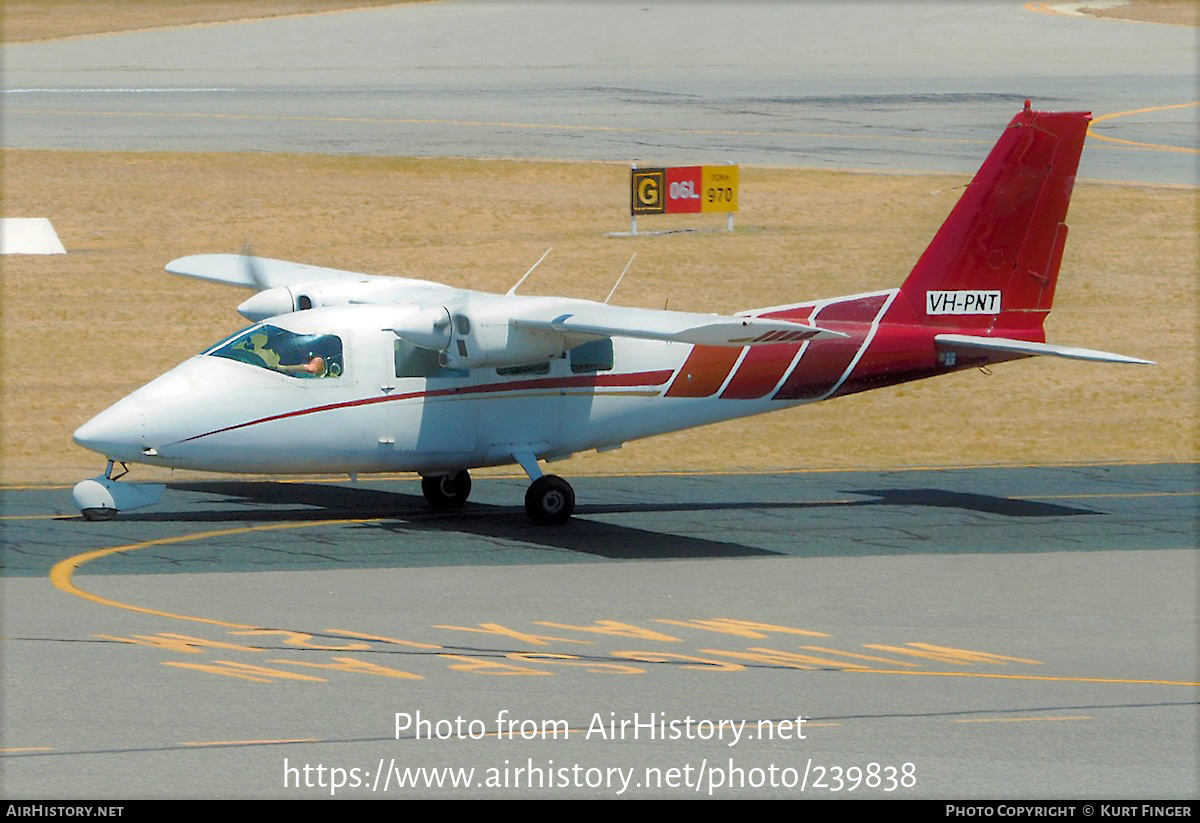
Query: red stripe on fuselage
{"x": 651, "y": 378}
{"x": 897, "y": 354}
{"x": 761, "y": 370}
{"x": 763, "y": 366}
{"x": 826, "y": 359}
{"x": 796, "y": 314}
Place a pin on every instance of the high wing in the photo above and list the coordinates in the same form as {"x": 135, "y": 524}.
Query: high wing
{"x": 476, "y": 329}
{"x": 283, "y": 286}
{"x": 265, "y": 273}
{"x": 586, "y": 319}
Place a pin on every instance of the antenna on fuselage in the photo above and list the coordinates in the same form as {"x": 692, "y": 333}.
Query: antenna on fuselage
{"x": 513, "y": 290}
{"x": 619, "y": 279}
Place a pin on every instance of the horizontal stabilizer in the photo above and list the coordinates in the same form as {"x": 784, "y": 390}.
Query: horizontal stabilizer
{"x": 599, "y": 320}
{"x": 1006, "y": 345}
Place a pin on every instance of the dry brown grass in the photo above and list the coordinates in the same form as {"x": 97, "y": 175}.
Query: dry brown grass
{"x": 1177, "y": 12}
{"x": 30, "y": 20}
{"x": 84, "y": 329}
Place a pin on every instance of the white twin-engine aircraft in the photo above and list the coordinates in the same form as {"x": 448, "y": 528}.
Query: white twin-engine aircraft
{"x": 347, "y": 372}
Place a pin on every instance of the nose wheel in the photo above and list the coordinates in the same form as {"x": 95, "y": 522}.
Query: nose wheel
{"x": 549, "y": 500}
{"x": 98, "y": 514}
{"x": 101, "y": 497}
{"x": 447, "y": 491}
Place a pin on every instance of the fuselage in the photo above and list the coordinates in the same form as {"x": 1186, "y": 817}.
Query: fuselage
{"x": 384, "y": 405}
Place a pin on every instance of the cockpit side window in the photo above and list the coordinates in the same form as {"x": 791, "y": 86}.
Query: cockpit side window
{"x": 279, "y": 350}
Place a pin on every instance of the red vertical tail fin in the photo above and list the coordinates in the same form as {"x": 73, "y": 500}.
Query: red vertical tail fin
{"x": 994, "y": 262}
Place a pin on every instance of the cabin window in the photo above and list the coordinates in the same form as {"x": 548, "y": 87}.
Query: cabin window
{"x": 594, "y": 356}
{"x": 279, "y": 350}
{"x": 413, "y": 361}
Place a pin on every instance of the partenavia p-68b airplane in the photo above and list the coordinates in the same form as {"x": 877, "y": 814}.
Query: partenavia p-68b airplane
{"x": 348, "y": 372}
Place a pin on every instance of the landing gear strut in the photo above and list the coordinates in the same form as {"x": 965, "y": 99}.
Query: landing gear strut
{"x": 447, "y": 491}
{"x": 549, "y": 499}
{"x": 102, "y": 511}
{"x": 101, "y": 497}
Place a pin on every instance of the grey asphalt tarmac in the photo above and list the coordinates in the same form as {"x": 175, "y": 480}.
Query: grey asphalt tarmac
{"x": 1013, "y": 633}
{"x": 1017, "y": 633}
{"x": 860, "y": 85}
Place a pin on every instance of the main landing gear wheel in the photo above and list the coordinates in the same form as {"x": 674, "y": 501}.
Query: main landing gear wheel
{"x": 550, "y": 499}
{"x": 447, "y": 491}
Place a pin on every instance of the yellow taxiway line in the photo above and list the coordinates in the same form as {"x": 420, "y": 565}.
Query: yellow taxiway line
{"x": 1137, "y": 143}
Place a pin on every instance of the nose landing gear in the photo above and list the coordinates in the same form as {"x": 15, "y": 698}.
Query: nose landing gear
{"x": 101, "y": 497}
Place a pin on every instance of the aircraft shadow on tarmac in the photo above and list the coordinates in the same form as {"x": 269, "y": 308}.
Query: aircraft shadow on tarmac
{"x": 407, "y": 513}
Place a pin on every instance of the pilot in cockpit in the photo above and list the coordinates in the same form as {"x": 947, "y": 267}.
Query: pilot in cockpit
{"x": 313, "y": 367}
{"x": 310, "y": 356}
{"x": 296, "y": 355}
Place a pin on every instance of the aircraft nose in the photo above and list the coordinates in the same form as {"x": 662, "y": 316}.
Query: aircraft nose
{"x": 115, "y": 432}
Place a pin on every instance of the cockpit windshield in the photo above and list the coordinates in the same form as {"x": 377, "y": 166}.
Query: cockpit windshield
{"x": 296, "y": 355}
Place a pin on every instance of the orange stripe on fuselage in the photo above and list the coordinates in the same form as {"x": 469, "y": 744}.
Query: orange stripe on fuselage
{"x": 704, "y": 371}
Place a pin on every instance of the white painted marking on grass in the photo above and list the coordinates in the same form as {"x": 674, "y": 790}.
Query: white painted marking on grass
{"x": 29, "y": 235}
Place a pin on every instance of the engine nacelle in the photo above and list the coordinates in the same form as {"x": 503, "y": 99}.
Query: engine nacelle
{"x": 474, "y": 333}
{"x": 284, "y": 299}
{"x": 426, "y": 329}
{"x": 268, "y": 303}
{"x": 479, "y": 340}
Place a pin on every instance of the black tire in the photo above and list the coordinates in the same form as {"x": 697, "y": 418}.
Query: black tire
{"x": 549, "y": 500}
{"x": 447, "y": 491}
{"x": 99, "y": 514}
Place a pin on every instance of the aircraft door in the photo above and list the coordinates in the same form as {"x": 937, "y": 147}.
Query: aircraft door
{"x": 428, "y": 413}
{"x": 523, "y": 412}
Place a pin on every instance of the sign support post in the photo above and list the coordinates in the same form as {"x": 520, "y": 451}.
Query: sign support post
{"x": 632, "y": 211}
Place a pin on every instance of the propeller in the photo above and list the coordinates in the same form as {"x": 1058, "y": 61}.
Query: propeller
{"x": 251, "y": 268}
{"x": 267, "y": 301}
